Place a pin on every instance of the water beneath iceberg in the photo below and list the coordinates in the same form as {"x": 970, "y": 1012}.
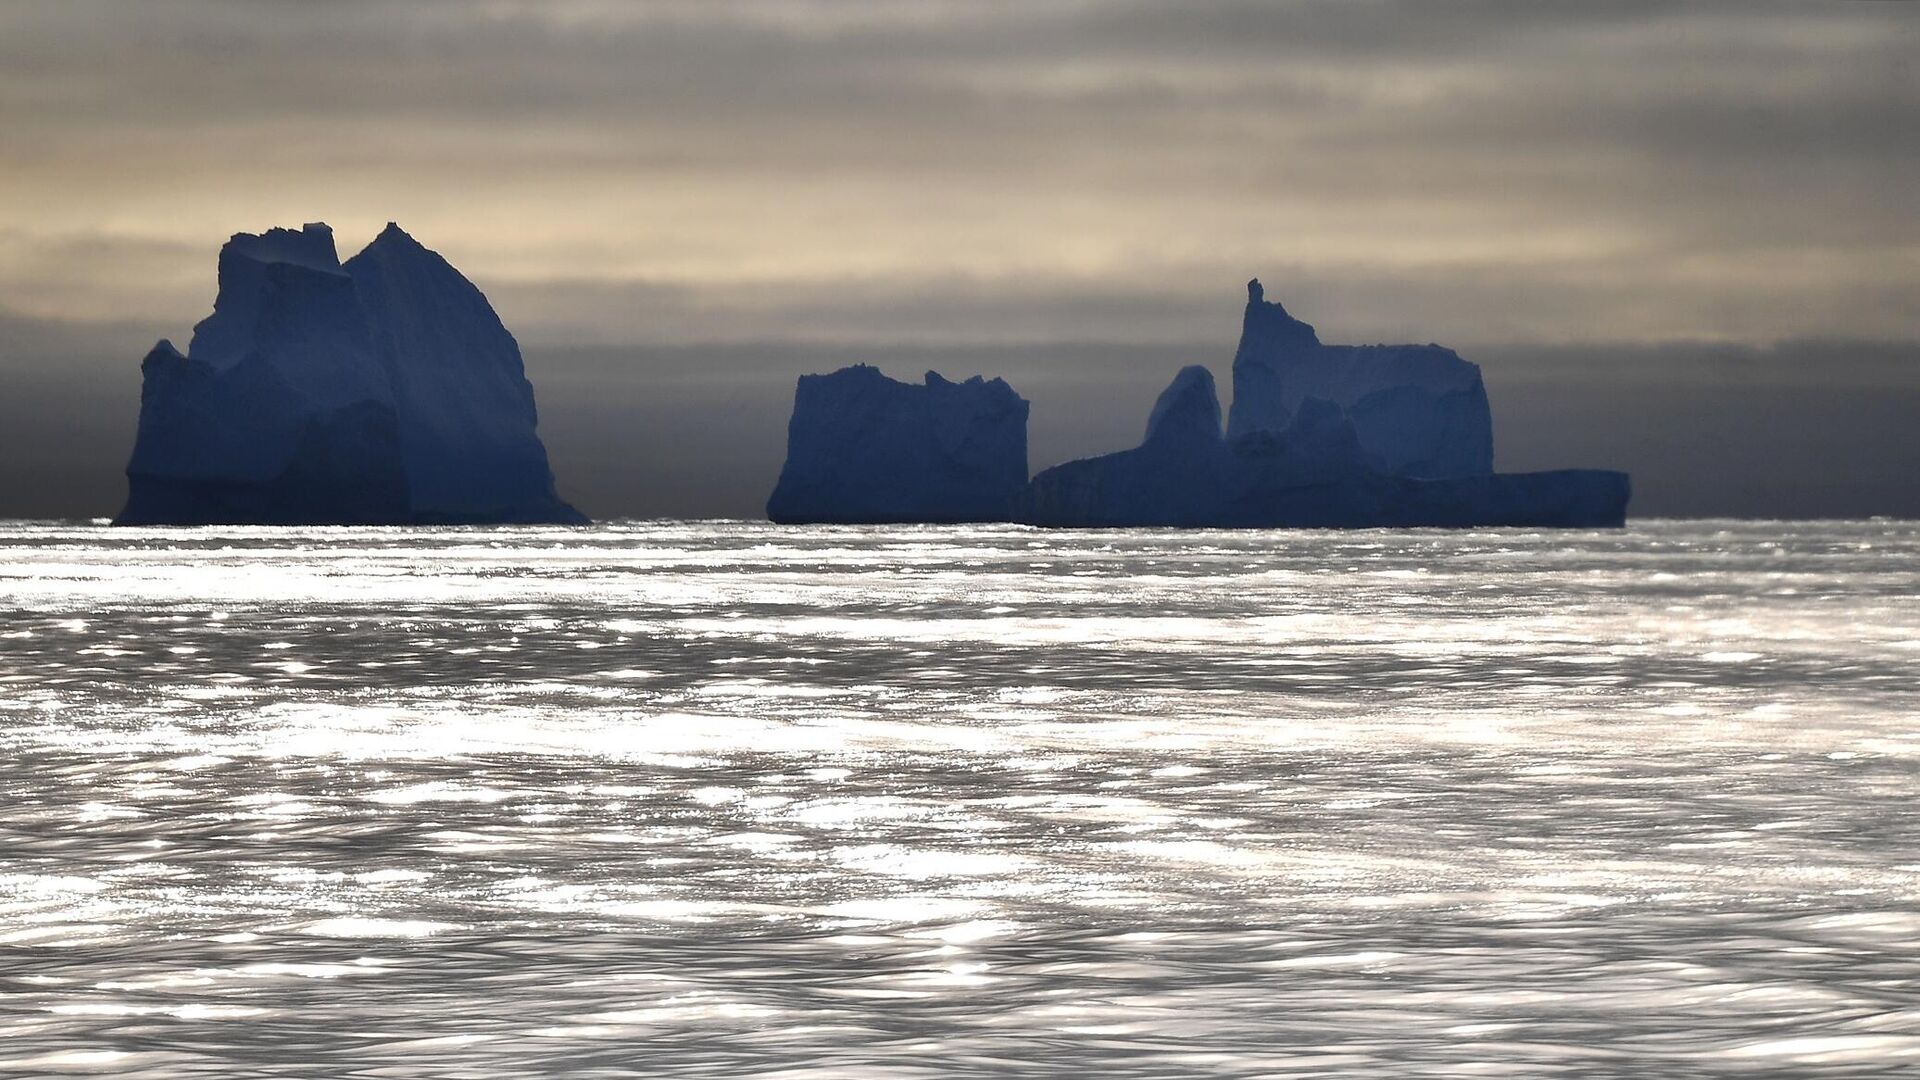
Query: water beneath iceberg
{"x": 731, "y": 800}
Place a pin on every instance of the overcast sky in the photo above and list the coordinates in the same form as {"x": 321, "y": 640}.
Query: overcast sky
{"x": 679, "y": 203}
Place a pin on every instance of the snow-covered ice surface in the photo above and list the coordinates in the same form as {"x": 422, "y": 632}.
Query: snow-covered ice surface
{"x": 725, "y": 799}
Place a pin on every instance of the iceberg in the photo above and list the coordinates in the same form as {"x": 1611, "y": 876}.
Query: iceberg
{"x": 1418, "y": 410}
{"x": 382, "y": 391}
{"x": 466, "y": 410}
{"x": 1319, "y": 436}
{"x": 1315, "y": 474}
{"x": 866, "y": 449}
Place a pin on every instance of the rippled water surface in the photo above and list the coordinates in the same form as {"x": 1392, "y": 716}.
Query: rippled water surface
{"x": 729, "y": 800}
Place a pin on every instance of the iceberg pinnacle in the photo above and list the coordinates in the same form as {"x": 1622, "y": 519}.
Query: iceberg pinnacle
{"x": 1187, "y": 413}
{"x": 382, "y": 391}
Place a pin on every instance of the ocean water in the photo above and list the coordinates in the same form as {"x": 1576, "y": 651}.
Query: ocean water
{"x": 730, "y": 800}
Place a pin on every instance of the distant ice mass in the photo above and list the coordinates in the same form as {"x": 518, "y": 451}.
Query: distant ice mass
{"x": 1417, "y": 410}
{"x": 864, "y": 448}
{"x": 1319, "y": 436}
{"x": 382, "y": 391}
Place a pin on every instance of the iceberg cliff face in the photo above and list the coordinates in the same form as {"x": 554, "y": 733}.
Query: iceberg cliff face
{"x": 381, "y": 392}
{"x": 1186, "y": 415}
{"x": 1419, "y": 410}
{"x": 864, "y": 448}
{"x": 466, "y": 410}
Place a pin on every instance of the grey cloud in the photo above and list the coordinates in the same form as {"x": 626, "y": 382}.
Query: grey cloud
{"x": 201, "y": 64}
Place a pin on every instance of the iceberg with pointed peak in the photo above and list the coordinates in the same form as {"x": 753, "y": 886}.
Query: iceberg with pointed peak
{"x": 866, "y": 449}
{"x": 381, "y": 391}
{"x": 1316, "y": 473}
{"x": 1321, "y": 437}
{"x": 1418, "y": 410}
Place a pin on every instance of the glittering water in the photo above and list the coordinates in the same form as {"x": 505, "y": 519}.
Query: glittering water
{"x": 731, "y": 800}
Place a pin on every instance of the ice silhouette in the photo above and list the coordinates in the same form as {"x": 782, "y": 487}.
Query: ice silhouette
{"x": 1186, "y": 416}
{"x": 1319, "y": 436}
{"x": 864, "y": 448}
{"x": 384, "y": 391}
{"x": 467, "y": 417}
{"x": 1314, "y": 474}
{"x": 1418, "y": 410}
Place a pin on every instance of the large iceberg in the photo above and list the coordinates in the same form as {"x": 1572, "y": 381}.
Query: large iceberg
{"x": 863, "y": 448}
{"x": 384, "y": 391}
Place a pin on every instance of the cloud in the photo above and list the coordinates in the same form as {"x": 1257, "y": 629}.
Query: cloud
{"x": 1594, "y": 171}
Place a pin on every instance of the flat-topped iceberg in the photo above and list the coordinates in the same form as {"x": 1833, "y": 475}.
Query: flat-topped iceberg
{"x": 863, "y": 448}
{"x": 384, "y": 391}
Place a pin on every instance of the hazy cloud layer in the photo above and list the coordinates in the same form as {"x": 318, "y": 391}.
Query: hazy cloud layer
{"x": 862, "y": 170}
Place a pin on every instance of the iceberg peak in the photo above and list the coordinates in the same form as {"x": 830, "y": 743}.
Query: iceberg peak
{"x": 393, "y": 235}
{"x": 1320, "y": 436}
{"x": 1268, "y": 323}
{"x": 1187, "y": 411}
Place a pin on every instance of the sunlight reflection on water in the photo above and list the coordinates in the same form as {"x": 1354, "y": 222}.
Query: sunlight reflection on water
{"x": 725, "y": 799}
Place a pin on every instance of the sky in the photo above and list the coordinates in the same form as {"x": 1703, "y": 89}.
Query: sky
{"x": 1680, "y": 238}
